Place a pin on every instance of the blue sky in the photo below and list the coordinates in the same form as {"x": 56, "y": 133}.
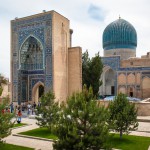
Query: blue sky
{"x": 88, "y": 19}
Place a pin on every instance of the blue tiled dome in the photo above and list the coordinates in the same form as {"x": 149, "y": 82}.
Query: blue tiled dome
{"x": 119, "y": 34}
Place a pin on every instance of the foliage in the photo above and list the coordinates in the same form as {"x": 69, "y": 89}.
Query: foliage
{"x": 1, "y": 90}
{"x": 3, "y": 80}
{"x": 123, "y": 115}
{"x": 5, "y": 119}
{"x": 85, "y": 68}
{"x": 82, "y": 124}
{"x": 40, "y": 132}
{"x": 49, "y": 111}
{"x": 91, "y": 71}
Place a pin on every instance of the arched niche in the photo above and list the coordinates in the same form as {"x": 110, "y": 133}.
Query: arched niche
{"x": 122, "y": 90}
{"x": 108, "y": 82}
{"x": 122, "y": 79}
{"x": 146, "y": 87}
{"x": 131, "y": 78}
{"x": 31, "y": 54}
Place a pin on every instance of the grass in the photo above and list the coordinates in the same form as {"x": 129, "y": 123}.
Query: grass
{"x": 130, "y": 142}
{"x": 6, "y": 146}
{"x": 40, "y": 132}
{"x": 19, "y": 125}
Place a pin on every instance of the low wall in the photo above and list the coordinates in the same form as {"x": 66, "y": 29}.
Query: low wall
{"x": 143, "y": 108}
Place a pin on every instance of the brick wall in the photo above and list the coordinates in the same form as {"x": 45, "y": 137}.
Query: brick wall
{"x": 74, "y": 70}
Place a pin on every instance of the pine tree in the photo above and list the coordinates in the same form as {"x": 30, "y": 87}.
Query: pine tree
{"x": 82, "y": 124}
{"x": 123, "y": 115}
{"x": 5, "y": 119}
{"x": 49, "y": 111}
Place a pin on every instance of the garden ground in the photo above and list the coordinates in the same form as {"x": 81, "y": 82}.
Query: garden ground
{"x": 143, "y": 130}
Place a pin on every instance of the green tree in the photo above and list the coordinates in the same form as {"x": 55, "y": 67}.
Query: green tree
{"x": 91, "y": 71}
{"x": 49, "y": 111}
{"x": 82, "y": 124}
{"x": 85, "y": 68}
{"x": 96, "y": 68}
{"x": 3, "y": 81}
{"x": 5, "y": 119}
{"x": 123, "y": 115}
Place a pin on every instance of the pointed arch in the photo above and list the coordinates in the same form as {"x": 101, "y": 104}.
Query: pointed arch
{"x": 31, "y": 54}
{"x": 31, "y": 35}
{"x": 131, "y": 78}
{"x": 35, "y": 91}
{"x": 146, "y": 87}
{"x": 122, "y": 90}
{"x": 108, "y": 80}
{"x": 122, "y": 79}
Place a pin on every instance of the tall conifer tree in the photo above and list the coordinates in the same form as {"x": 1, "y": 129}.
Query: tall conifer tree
{"x": 82, "y": 124}
{"x": 91, "y": 71}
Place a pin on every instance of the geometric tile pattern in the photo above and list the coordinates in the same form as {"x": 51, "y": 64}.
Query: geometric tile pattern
{"x": 23, "y": 81}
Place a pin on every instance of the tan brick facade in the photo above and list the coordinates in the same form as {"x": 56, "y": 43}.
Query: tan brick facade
{"x": 75, "y": 69}
{"x": 66, "y": 61}
{"x": 60, "y": 68}
{"x": 124, "y": 53}
{"x": 136, "y": 62}
{"x": 135, "y": 82}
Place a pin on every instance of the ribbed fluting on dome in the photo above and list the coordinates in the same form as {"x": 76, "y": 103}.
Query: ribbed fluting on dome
{"x": 119, "y": 34}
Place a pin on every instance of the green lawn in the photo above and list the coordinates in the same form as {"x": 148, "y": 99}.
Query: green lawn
{"x": 40, "y": 132}
{"x": 130, "y": 142}
{"x": 13, "y": 147}
{"x": 19, "y": 125}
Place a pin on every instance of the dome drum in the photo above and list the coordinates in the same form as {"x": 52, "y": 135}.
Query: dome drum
{"x": 124, "y": 53}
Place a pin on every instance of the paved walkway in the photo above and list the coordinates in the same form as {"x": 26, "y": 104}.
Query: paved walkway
{"x": 143, "y": 130}
{"x": 33, "y": 143}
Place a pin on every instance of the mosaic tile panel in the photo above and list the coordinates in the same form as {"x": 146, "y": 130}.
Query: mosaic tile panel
{"x": 39, "y": 27}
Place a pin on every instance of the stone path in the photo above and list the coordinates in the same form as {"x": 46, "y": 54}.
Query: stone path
{"x": 143, "y": 130}
{"x": 33, "y": 143}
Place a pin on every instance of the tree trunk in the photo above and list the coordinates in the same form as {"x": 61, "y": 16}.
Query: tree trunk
{"x": 120, "y": 134}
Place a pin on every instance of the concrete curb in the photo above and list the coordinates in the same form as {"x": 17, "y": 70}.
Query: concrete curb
{"x": 143, "y": 131}
{"x": 43, "y": 139}
{"x": 33, "y": 137}
{"x": 143, "y": 120}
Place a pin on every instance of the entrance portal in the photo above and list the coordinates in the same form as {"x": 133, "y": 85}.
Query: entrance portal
{"x": 109, "y": 82}
{"x": 37, "y": 92}
{"x": 108, "y": 78}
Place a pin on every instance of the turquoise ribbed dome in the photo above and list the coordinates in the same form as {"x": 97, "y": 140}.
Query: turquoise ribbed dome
{"x": 119, "y": 34}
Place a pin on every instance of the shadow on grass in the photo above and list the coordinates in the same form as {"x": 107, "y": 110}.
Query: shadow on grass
{"x": 6, "y": 146}
{"x": 19, "y": 125}
{"x": 40, "y": 132}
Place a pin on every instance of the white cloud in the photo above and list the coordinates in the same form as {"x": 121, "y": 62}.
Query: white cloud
{"x": 88, "y": 26}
